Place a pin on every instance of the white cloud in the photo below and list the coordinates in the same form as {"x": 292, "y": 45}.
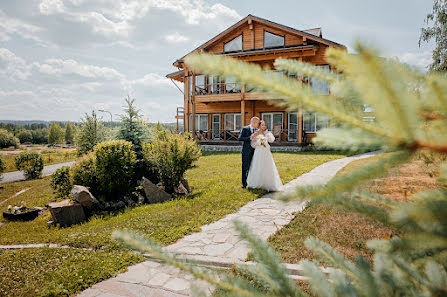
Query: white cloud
{"x": 48, "y": 7}
{"x": 63, "y": 67}
{"x": 419, "y": 59}
{"x": 12, "y": 66}
{"x": 176, "y": 38}
{"x": 10, "y": 26}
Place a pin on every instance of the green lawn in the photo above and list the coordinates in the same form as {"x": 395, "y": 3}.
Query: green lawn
{"x": 48, "y": 158}
{"x": 217, "y": 192}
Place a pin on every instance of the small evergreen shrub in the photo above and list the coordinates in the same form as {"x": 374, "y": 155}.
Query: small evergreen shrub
{"x": 2, "y": 167}
{"x": 115, "y": 163}
{"x": 171, "y": 154}
{"x": 61, "y": 182}
{"x": 31, "y": 163}
{"x": 7, "y": 139}
{"x": 83, "y": 173}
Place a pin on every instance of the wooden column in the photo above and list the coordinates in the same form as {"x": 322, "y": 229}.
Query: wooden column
{"x": 243, "y": 120}
{"x": 186, "y": 101}
{"x": 193, "y": 99}
{"x": 300, "y": 112}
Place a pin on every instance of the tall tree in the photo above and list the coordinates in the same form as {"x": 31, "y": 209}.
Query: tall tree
{"x": 132, "y": 124}
{"x": 55, "y": 134}
{"x": 91, "y": 133}
{"x": 69, "y": 133}
{"x": 438, "y": 32}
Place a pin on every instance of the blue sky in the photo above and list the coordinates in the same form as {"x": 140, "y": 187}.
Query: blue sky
{"x": 62, "y": 58}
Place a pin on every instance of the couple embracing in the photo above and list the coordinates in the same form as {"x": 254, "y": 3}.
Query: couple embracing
{"x": 258, "y": 167}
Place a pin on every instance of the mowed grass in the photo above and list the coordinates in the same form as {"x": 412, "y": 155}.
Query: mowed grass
{"x": 57, "y": 272}
{"x": 348, "y": 231}
{"x": 216, "y": 182}
{"x": 48, "y": 158}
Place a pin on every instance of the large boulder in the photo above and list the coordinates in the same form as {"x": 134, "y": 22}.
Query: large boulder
{"x": 82, "y": 195}
{"x": 66, "y": 213}
{"x": 185, "y": 183}
{"x": 153, "y": 193}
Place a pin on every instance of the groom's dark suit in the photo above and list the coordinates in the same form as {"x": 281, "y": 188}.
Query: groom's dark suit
{"x": 247, "y": 151}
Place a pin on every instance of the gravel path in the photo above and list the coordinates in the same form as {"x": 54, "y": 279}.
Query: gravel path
{"x": 47, "y": 170}
{"x": 217, "y": 244}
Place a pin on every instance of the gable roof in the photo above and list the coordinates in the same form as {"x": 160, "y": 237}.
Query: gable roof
{"x": 312, "y": 34}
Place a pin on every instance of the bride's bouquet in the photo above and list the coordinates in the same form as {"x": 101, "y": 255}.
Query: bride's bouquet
{"x": 261, "y": 140}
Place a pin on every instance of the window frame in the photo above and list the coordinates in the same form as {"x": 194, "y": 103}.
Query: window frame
{"x": 315, "y": 121}
{"x": 274, "y": 46}
{"x": 234, "y": 51}
{"x": 234, "y": 128}
{"x": 309, "y": 81}
{"x": 197, "y": 119}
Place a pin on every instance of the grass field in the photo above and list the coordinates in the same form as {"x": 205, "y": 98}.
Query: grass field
{"x": 347, "y": 231}
{"x": 217, "y": 192}
{"x": 49, "y": 158}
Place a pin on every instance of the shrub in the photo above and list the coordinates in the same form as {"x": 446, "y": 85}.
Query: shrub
{"x": 69, "y": 133}
{"x": 171, "y": 154}
{"x": 61, "y": 182}
{"x": 31, "y": 163}
{"x": 115, "y": 163}
{"x": 25, "y": 136}
{"x": 83, "y": 173}
{"x": 2, "y": 167}
{"x": 7, "y": 139}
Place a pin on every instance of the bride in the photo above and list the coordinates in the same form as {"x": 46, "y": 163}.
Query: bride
{"x": 263, "y": 173}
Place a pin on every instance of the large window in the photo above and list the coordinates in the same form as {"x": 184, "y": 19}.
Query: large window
{"x": 320, "y": 86}
{"x": 214, "y": 85}
{"x": 273, "y": 40}
{"x": 313, "y": 122}
{"x": 233, "y": 122}
{"x": 232, "y": 85}
{"x": 201, "y": 122}
{"x": 274, "y": 122}
{"x": 200, "y": 85}
{"x": 233, "y": 45}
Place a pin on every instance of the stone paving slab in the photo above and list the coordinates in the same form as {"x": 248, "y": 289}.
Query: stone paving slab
{"x": 217, "y": 242}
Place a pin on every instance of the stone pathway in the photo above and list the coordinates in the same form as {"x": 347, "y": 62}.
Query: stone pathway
{"x": 18, "y": 175}
{"x": 217, "y": 244}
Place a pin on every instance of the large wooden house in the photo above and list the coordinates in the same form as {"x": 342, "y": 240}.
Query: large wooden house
{"x": 216, "y": 108}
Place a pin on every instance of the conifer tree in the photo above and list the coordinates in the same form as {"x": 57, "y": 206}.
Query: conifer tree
{"x": 90, "y": 133}
{"x": 410, "y": 112}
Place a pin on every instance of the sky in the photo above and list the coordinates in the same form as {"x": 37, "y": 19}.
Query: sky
{"x": 60, "y": 59}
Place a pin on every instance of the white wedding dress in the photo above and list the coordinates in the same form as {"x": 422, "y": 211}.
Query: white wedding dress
{"x": 263, "y": 173}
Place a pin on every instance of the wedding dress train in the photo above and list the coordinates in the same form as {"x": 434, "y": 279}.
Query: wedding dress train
{"x": 263, "y": 173}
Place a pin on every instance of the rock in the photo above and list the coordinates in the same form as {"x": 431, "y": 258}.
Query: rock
{"x": 66, "y": 213}
{"x": 185, "y": 183}
{"x": 141, "y": 199}
{"x": 106, "y": 205}
{"x": 119, "y": 205}
{"x": 153, "y": 193}
{"x": 82, "y": 195}
{"x": 181, "y": 190}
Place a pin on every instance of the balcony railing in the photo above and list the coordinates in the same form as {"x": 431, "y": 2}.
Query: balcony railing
{"x": 281, "y": 135}
{"x": 218, "y": 88}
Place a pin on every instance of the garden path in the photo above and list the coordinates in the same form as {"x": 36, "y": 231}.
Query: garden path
{"x": 218, "y": 244}
{"x": 47, "y": 170}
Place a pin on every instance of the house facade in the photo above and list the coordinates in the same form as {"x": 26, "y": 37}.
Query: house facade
{"x": 216, "y": 108}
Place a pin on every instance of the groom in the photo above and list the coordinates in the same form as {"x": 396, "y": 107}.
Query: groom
{"x": 246, "y": 136}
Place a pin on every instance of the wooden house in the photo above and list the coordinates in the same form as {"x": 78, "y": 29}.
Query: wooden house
{"x": 216, "y": 108}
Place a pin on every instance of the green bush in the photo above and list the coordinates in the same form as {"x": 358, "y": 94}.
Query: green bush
{"x": 61, "y": 182}
{"x": 83, "y": 173}
{"x": 7, "y": 139}
{"x": 115, "y": 163}
{"x": 25, "y": 136}
{"x": 171, "y": 154}
{"x": 2, "y": 167}
{"x": 31, "y": 163}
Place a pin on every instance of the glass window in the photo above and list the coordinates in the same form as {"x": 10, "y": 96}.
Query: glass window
{"x": 233, "y": 122}
{"x": 190, "y": 86}
{"x": 214, "y": 85}
{"x": 274, "y": 121}
{"x": 232, "y": 85}
{"x": 200, "y": 85}
{"x": 313, "y": 122}
{"x": 293, "y": 126}
{"x": 233, "y": 45}
{"x": 320, "y": 86}
{"x": 201, "y": 122}
{"x": 273, "y": 40}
